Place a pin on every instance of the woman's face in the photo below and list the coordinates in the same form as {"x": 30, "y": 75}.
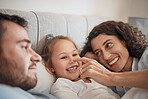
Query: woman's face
{"x": 63, "y": 56}
{"x": 111, "y": 52}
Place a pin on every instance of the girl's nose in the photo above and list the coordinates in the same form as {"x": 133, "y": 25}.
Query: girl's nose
{"x": 71, "y": 60}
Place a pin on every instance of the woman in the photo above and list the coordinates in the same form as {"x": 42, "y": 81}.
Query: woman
{"x": 120, "y": 48}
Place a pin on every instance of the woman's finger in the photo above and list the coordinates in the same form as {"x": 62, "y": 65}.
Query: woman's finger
{"x": 83, "y": 59}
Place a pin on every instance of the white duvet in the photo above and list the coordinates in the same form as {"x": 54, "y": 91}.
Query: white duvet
{"x": 136, "y": 93}
{"x": 66, "y": 89}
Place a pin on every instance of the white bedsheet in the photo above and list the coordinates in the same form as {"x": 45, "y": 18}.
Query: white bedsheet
{"x": 136, "y": 93}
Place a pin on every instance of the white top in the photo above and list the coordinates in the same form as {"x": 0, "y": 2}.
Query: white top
{"x": 141, "y": 64}
{"x": 66, "y": 89}
{"x": 137, "y": 65}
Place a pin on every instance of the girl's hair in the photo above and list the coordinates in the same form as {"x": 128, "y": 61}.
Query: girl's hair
{"x": 136, "y": 42}
{"x": 48, "y": 50}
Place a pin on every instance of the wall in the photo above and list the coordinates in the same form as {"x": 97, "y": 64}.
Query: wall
{"x": 138, "y": 8}
{"x": 114, "y": 9}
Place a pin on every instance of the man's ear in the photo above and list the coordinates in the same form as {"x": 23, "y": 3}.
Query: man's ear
{"x": 49, "y": 67}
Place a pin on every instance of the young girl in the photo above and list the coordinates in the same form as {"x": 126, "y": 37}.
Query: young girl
{"x": 59, "y": 54}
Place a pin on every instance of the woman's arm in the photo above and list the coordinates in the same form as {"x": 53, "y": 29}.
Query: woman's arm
{"x": 137, "y": 79}
{"x": 92, "y": 69}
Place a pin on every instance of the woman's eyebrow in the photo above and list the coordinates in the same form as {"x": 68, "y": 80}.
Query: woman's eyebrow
{"x": 95, "y": 50}
{"x": 106, "y": 41}
{"x": 103, "y": 44}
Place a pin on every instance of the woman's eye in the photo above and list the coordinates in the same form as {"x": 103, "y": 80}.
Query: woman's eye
{"x": 108, "y": 45}
{"x": 98, "y": 53}
{"x": 63, "y": 57}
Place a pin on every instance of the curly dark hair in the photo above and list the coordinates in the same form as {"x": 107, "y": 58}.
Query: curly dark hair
{"x": 12, "y": 18}
{"x": 136, "y": 42}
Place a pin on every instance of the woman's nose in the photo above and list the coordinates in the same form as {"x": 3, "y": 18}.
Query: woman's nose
{"x": 106, "y": 55}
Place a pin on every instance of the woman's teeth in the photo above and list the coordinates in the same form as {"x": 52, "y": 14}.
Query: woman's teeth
{"x": 115, "y": 60}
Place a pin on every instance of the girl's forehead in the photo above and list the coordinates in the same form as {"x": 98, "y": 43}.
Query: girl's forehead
{"x": 62, "y": 44}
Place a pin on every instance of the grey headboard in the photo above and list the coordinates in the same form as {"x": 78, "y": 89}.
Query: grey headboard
{"x": 76, "y": 27}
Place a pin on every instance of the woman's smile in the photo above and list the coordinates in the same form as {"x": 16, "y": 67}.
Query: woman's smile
{"x": 111, "y": 52}
{"x": 113, "y": 61}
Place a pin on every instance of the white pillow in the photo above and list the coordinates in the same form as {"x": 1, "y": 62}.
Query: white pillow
{"x": 45, "y": 80}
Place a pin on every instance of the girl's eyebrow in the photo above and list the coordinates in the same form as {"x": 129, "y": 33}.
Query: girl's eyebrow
{"x": 65, "y": 52}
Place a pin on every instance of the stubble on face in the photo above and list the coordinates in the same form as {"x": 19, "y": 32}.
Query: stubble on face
{"x": 13, "y": 64}
{"x": 13, "y": 74}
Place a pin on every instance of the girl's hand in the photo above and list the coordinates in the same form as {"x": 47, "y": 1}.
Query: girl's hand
{"x": 94, "y": 70}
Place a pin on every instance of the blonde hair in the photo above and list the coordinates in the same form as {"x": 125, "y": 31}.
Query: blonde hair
{"x": 48, "y": 50}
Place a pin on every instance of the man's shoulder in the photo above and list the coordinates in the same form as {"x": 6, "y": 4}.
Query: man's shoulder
{"x": 9, "y": 92}
{"x": 43, "y": 95}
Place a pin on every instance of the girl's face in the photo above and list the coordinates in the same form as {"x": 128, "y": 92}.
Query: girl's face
{"x": 111, "y": 52}
{"x": 63, "y": 64}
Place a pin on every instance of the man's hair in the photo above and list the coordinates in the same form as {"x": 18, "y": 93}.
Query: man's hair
{"x": 12, "y": 18}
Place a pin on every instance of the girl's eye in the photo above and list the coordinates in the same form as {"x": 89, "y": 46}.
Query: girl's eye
{"x": 63, "y": 57}
{"x": 75, "y": 54}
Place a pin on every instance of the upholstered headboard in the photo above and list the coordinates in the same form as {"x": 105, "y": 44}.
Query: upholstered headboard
{"x": 40, "y": 24}
{"x": 76, "y": 27}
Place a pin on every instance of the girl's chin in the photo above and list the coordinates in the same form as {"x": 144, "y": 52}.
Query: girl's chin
{"x": 74, "y": 78}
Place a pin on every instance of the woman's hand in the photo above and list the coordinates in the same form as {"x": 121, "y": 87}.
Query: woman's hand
{"x": 94, "y": 70}
{"x": 91, "y": 69}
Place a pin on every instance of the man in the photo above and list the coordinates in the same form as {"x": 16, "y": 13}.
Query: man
{"x": 17, "y": 60}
